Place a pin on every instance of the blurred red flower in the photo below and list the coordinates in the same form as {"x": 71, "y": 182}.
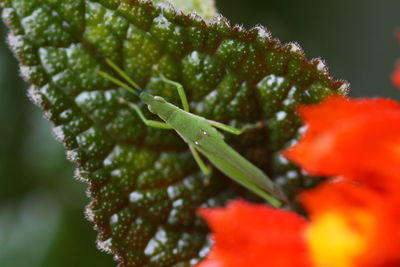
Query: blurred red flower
{"x": 352, "y": 225}
{"x": 255, "y": 235}
{"x": 396, "y": 76}
{"x": 396, "y": 73}
{"x": 353, "y": 219}
{"x": 358, "y": 139}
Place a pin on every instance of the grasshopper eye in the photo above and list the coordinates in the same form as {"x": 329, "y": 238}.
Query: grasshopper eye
{"x": 159, "y": 99}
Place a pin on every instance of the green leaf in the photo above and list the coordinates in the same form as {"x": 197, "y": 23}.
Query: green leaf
{"x": 144, "y": 185}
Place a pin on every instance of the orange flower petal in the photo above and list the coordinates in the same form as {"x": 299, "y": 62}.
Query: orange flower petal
{"x": 359, "y": 139}
{"x": 255, "y": 235}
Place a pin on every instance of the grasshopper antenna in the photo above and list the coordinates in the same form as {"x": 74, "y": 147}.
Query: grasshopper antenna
{"x": 135, "y": 89}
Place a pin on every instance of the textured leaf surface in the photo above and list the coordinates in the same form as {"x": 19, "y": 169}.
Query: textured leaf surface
{"x": 143, "y": 183}
{"x": 205, "y": 8}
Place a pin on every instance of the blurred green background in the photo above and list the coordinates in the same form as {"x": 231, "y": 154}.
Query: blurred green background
{"x": 42, "y": 207}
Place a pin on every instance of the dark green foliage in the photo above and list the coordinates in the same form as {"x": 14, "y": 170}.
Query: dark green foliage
{"x": 144, "y": 185}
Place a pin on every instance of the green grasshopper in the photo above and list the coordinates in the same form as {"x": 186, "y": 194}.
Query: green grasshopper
{"x": 201, "y": 136}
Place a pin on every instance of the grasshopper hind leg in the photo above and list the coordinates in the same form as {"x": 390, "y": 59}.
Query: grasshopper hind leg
{"x": 233, "y": 130}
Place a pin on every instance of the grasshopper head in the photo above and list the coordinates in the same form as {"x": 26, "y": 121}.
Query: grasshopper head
{"x": 157, "y": 105}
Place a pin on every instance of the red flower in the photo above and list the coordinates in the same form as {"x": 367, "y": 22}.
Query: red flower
{"x": 396, "y": 76}
{"x": 353, "y": 221}
{"x": 352, "y": 226}
{"x": 355, "y": 138}
{"x": 396, "y": 73}
{"x": 255, "y": 235}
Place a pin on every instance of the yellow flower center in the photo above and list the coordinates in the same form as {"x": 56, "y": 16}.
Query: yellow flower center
{"x": 336, "y": 240}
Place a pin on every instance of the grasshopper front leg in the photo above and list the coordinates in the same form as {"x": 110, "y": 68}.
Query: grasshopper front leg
{"x": 150, "y": 123}
{"x": 181, "y": 91}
